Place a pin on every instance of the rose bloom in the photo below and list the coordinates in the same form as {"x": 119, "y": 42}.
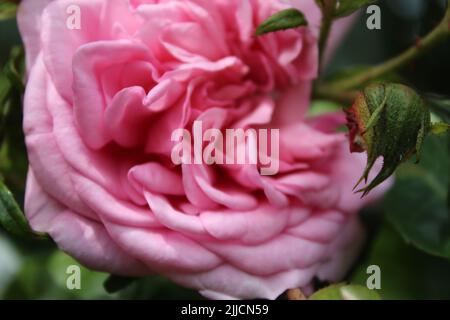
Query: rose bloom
{"x": 102, "y": 102}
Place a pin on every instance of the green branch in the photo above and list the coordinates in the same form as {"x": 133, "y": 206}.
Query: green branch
{"x": 328, "y": 10}
{"x": 344, "y": 97}
{"x": 435, "y": 37}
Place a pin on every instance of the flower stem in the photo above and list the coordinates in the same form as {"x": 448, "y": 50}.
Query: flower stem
{"x": 343, "y": 97}
{"x": 435, "y": 37}
{"x": 328, "y": 10}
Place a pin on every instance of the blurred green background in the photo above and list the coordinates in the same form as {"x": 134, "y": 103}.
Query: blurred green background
{"x": 409, "y": 233}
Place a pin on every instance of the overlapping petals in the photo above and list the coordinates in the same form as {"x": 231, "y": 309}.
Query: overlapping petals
{"x": 101, "y": 104}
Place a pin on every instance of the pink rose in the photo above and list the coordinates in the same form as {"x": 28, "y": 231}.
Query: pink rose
{"x": 101, "y": 103}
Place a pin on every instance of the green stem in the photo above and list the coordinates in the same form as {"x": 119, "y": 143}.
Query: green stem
{"x": 328, "y": 10}
{"x": 344, "y": 97}
{"x": 435, "y": 37}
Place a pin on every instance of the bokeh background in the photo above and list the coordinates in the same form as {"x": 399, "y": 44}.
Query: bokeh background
{"x": 408, "y": 233}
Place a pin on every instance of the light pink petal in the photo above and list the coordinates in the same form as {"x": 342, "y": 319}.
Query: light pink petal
{"x": 126, "y": 118}
{"x": 328, "y": 122}
{"x": 318, "y": 228}
{"x": 343, "y": 251}
{"x": 112, "y": 209}
{"x": 60, "y": 43}
{"x": 292, "y": 105}
{"x": 89, "y": 62}
{"x": 86, "y": 240}
{"x": 282, "y": 253}
{"x": 227, "y": 282}
{"x": 346, "y": 171}
{"x": 240, "y": 225}
{"x": 189, "y": 42}
{"x": 29, "y": 19}
{"x": 172, "y": 218}
{"x": 302, "y": 142}
{"x": 163, "y": 250}
{"x": 156, "y": 178}
{"x": 43, "y": 150}
{"x": 228, "y": 197}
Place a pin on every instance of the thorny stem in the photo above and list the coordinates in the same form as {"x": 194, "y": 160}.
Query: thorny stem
{"x": 435, "y": 37}
{"x": 344, "y": 97}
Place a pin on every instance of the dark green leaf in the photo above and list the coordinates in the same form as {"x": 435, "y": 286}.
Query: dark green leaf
{"x": 286, "y": 19}
{"x": 406, "y": 272}
{"x": 331, "y": 292}
{"x": 90, "y": 281}
{"x": 43, "y": 275}
{"x": 417, "y": 205}
{"x": 347, "y": 7}
{"x": 5, "y": 87}
{"x": 13, "y": 159}
{"x": 15, "y": 68}
{"x": 11, "y": 217}
{"x": 156, "y": 287}
{"x": 115, "y": 283}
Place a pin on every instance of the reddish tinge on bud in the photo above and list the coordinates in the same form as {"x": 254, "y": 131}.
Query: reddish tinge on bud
{"x": 389, "y": 121}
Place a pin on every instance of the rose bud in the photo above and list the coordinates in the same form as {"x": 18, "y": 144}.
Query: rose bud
{"x": 389, "y": 121}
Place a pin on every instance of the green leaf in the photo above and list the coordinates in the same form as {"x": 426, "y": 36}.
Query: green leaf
{"x": 417, "y": 205}
{"x": 345, "y": 292}
{"x": 13, "y": 159}
{"x": 11, "y": 217}
{"x": 115, "y": 283}
{"x": 15, "y": 68}
{"x": 90, "y": 281}
{"x": 357, "y": 292}
{"x": 347, "y": 7}
{"x": 7, "y": 10}
{"x": 285, "y": 19}
{"x": 331, "y": 292}
{"x": 406, "y": 272}
{"x": 156, "y": 287}
{"x": 43, "y": 275}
